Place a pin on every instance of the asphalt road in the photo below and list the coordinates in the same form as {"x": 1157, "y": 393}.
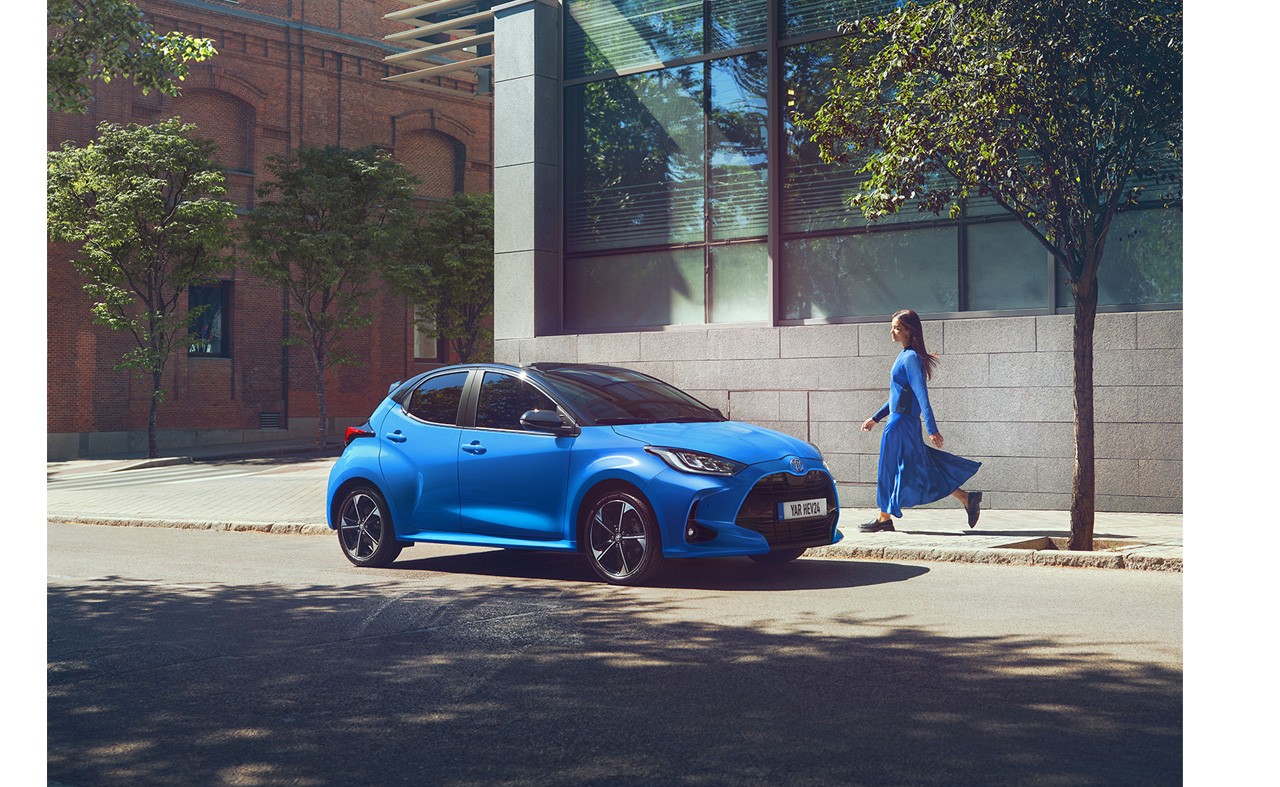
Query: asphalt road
{"x": 202, "y": 657}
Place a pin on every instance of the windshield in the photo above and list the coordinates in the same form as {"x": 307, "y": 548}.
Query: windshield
{"x": 620, "y": 396}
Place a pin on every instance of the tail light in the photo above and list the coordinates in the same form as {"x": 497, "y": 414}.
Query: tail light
{"x": 353, "y": 432}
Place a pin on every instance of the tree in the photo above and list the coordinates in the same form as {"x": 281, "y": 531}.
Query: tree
{"x": 1062, "y": 111}
{"x": 336, "y": 216}
{"x": 145, "y": 202}
{"x": 105, "y": 39}
{"x": 449, "y": 275}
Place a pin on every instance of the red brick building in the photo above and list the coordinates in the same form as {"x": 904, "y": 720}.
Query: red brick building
{"x": 287, "y": 74}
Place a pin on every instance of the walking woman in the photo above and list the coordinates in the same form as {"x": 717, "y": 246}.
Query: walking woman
{"x": 911, "y": 473}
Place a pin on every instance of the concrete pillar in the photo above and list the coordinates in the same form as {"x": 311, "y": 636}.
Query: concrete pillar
{"x": 527, "y": 169}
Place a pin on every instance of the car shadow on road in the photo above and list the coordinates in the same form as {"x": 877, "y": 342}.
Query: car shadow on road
{"x": 701, "y": 574}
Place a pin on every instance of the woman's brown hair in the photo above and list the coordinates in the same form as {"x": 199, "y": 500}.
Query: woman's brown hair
{"x": 911, "y": 321}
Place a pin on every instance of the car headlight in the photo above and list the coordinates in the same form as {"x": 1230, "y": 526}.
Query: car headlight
{"x": 695, "y": 461}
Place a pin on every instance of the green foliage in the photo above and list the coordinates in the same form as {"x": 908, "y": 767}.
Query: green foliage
{"x": 1062, "y": 111}
{"x": 449, "y": 274}
{"x": 329, "y": 221}
{"x": 105, "y": 39}
{"x": 145, "y": 204}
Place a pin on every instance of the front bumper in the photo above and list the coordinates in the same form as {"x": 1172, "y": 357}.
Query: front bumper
{"x": 737, "y": 515}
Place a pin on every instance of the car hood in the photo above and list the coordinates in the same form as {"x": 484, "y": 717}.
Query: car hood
{"x": 741, "y": 442}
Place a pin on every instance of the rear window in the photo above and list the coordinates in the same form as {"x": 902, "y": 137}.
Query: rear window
{"x": 436, "y": 400}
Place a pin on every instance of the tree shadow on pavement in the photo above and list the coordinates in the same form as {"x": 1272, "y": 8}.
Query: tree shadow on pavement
{"x": 517, "y": 682}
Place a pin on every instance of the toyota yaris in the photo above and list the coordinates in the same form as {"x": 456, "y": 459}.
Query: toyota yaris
{"x": 609, "y": 462}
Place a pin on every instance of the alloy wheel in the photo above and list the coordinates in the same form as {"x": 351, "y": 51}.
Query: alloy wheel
{"x": 360, "y": 526}
{"x": 618, "y": 539}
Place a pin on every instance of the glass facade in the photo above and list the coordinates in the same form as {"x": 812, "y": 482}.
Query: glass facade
{"x": 687, "y": 180}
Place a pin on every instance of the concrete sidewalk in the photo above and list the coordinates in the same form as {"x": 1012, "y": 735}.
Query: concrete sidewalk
{"x": 281, "y": 489}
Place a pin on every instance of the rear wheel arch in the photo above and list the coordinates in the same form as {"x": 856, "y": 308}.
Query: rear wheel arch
{"x": 335, "y": 500}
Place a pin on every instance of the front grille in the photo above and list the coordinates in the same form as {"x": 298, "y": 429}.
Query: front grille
{"x": 760, "y": 510}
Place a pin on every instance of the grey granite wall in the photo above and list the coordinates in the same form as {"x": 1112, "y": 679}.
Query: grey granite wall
{"x": 1002, "y": 395}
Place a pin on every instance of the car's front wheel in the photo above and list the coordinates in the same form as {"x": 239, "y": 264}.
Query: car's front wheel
{"x": 364, "y": 529}
{"x": 777, "y": 556}
{"x": 622, "y": 542}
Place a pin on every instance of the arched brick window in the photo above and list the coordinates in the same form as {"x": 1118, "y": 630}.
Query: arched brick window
{"x": 435, "y": 159}
{"x": 229, "y": 122}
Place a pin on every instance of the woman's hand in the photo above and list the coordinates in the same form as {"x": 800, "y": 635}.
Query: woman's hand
{"x": 868, "y": 424}
{"x": 936, "y": 439}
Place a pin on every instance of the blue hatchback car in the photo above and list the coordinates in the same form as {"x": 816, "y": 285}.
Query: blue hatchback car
{"x": 606, "y": 461}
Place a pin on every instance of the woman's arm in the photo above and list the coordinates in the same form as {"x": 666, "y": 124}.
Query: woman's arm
{"x": 915, "y": 374}
{"x": 875, "y": 419}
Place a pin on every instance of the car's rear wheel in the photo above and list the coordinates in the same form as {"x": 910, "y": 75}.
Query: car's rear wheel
{"x": 364, "y": 528}
{"x": 777, "y": 556}
{"x": 622, "y": 542}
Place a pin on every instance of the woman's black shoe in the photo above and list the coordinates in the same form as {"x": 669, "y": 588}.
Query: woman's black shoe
{"x": 875, "y": 526}
{"x": 974, "y": 507}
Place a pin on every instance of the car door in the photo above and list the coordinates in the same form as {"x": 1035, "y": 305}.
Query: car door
{"x": 512, "y": 481}
{"x": 419, "y": 455}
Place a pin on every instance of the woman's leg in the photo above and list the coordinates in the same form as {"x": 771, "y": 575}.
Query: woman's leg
{"x": 972, "y": 503}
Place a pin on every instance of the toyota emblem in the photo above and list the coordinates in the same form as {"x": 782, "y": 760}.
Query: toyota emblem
{"x": 797, "y": 465}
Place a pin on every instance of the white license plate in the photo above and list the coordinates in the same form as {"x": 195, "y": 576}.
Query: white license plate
{"x": 803, "y": 509}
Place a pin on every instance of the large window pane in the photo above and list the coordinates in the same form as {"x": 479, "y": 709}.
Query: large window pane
{"x": 870, "y": 274}
{"x": 1008, "y": 268}
{"x": 610, "y": 35}
{"x": 634, "y": 161}
{"x": 815, "y": 194}
{"x": 738, "y": 23}
{"x": 737, "y": 149}
{"x": 634, "y": 290}
{"x": 817, "y": 16}
{"x": 604, "y": 36}
{"x": 1142, "y": 262}
{"x": 740, "y": 283}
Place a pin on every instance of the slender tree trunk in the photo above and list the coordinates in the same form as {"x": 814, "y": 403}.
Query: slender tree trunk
{"x": 322, "y": 433}
{"x": 153, "y": 449}
{"x": 1083, "y": 480}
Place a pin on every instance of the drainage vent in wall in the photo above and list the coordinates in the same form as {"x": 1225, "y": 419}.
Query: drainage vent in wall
{"x": 268, "y": 420}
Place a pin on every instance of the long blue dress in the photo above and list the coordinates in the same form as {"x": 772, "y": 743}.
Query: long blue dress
{"x": 912, "y": 473}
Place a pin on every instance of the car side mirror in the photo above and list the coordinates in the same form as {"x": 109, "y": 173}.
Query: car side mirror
{"x": 546, "y": 421}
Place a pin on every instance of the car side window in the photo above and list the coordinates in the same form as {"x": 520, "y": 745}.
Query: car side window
{"x": 436, "y": 399}
{"x": 503, "y": 399}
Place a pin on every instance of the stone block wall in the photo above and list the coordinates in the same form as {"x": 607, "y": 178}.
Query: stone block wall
{"x": 1002, "y": 396}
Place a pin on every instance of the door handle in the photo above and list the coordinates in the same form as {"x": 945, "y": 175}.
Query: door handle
{"x": 474, "y": 448}
{"x": 396, "y": 437}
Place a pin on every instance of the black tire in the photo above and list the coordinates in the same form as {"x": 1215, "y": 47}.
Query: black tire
{"x": 365, "y": 532}
{"x": 777, "y": 556}
{"x": 620, "y": 538}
